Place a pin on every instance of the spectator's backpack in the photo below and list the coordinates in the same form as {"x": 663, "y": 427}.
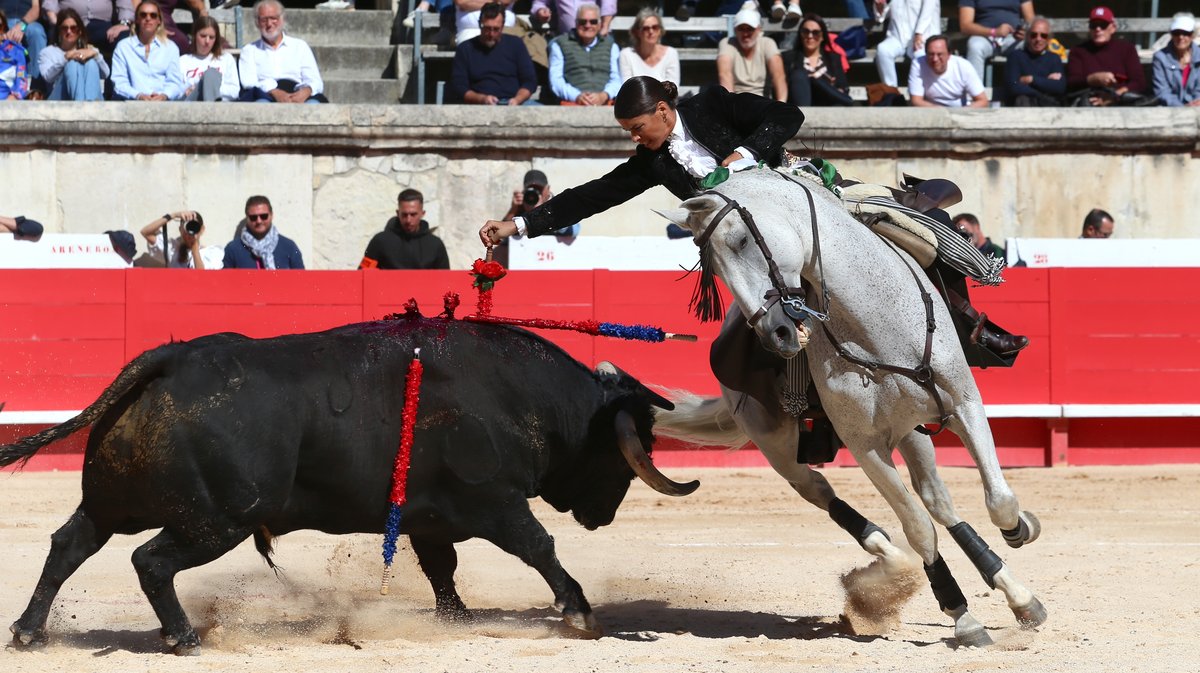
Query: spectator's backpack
{"x": 853, "y": 42}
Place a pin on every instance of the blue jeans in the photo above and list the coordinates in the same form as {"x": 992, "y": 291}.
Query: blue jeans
{"x": 78, "y": 81}
{"x": 35, "y": 42}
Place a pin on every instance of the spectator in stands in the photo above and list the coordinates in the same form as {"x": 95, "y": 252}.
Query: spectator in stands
{"x": 1174, "y": 67}
{"x": 407, "y": 241}
{"x": 536, "y": 191}
{"x": 583, "y": 65}
{"x": 146, "y": 64}
{"x": 97, "y": 18}
{"x": 969, "y": 225}
{"x": 563, "y": 13}
{"x": 1034, "y": 76}
{"x": 1105, "y": 70}
{"x": 21, "y": 228}
{"x": 909, "y": 23}
{"x": 209, "y": 73}
{"x": 259, "y": 245}
{"x": 24, "y": 29}
{"x": 647, "y": 55}
{"x": 14, "y": 81}
{"x": 817, "y": 76}
{"x": 995, "y": 28}
{"x": 466, "y": 17}
{"x": 746, "y": 61}
{"x": 1097, "y": 224}
{"x": 942, "y": 79}
{"x": 493, "y": 68}
{"x": 198, "y": 8}
{"x": 183, "y": 251}
{"x": 789, "y": 14}
{"x": 278, "y": 68}
{"x": 72, "y": 68}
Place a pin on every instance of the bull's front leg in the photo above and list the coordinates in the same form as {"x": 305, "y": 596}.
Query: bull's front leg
{"x": 439, "y": 561}
{"x": 520, "y": 534}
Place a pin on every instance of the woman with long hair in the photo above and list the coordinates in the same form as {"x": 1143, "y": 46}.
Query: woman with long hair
{"x": 209, "y": 73}
{"x": 817, "y": 76}
{"x": 72, "y": 67}
{"x": 648, "y": 55}
{"x": 146, "y": 64}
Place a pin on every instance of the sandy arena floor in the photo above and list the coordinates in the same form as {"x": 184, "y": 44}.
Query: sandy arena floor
{"x": 741, "y": 576}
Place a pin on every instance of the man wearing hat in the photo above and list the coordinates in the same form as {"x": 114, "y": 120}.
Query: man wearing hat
{"x": 747, "y": 60}
{"x": 1105, "y": 69}
{"x": 536, "y": 191}
{"x": 21, "y": 228}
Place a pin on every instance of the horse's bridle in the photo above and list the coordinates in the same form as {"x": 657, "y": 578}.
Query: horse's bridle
{"x": 792, "y": 299}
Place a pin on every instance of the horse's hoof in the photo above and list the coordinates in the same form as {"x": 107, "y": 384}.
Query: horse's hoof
{"x": 1031, "y": 616}
{"x": 583, "y": 624}
{"x": 25, "y": 639}
{"x": 976, "y": 637}
{"x": 1027, "y": 530}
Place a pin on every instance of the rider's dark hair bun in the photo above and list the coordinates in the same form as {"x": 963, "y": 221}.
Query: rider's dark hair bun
{"x": 640, "y": 95}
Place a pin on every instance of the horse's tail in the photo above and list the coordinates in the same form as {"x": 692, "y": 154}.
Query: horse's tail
{"x": 136, "y": 372}
{"x": 698, "y": 420}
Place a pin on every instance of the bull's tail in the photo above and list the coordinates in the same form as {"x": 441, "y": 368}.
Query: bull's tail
{"x": 140, "y": 369}
{"x": 699, "y": 420}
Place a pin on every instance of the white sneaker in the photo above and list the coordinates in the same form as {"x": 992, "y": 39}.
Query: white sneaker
{"x": 777, "y": 11}
{"x": 336, "y": 4}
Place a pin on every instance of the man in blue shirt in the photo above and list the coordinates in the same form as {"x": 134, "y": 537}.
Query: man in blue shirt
{"x": 259, "y": 245}
{"x": 993, "y": 27}
{"x": 493, "y": 68}
{"x": 1036, "y": 77}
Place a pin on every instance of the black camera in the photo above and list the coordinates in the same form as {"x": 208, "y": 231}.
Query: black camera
{"x": 193, "y": 227}
{"x": 531, "y": 196}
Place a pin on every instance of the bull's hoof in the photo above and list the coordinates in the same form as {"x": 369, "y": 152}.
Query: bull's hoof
{"x": 1027, "y": 530}
{"x": 186, "y": 650}
{"x": 187, "y": 644}
{"x": 1031, "y": 616}
{"x": 456, "y": 614}
{"x": 583, "y": 625}
{"x": 28, "y": 639}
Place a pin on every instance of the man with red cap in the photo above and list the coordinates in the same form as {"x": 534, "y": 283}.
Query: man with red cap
{"x": 1105, "y": 69}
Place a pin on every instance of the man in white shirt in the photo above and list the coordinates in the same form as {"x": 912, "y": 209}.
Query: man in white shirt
{"x": 278, "y": 68}
{"x": 940, "y": 79}
{"x": 909, "y": 22}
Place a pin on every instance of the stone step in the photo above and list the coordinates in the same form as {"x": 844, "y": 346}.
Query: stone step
{"x": 367, "y": 61}
{"x": 320, "y": 27}
{"x": 349, "y": 91}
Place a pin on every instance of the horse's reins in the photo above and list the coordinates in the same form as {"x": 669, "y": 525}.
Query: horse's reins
{"x": 792, "y": 299}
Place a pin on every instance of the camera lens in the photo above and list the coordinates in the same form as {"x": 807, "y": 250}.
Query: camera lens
{"x": 192, "y": 227}
{"x": 531, "y": 196}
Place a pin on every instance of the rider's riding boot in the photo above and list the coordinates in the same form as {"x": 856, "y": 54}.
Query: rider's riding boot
{"x": 983, "y": 331}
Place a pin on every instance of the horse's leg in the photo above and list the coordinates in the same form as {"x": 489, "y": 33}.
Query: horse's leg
{"x": 776, "y": 434}
{"x": 1018, "y": 527}
{"x": 918, "y": 529}
{"x": 918, "y": 453}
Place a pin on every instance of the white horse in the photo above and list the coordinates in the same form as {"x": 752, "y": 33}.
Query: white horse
{"x": 877, "y": 314}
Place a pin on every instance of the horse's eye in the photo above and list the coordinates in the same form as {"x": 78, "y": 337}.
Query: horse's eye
{"x": 743, "y": 242}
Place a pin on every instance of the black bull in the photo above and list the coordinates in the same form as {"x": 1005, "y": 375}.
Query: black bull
{"x": 225, "y": 437}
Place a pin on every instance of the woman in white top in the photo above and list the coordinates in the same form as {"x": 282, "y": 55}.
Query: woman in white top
{"x": 648, "y": 56}
{"x": 183, "y": 251}
{"x": 208, "y": 73}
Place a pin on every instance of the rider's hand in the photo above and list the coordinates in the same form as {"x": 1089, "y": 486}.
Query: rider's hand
{"x": 494, "y": 231}
{"x": 731, "y": 158}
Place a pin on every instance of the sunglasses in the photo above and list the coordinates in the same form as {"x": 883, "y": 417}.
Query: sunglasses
{"x": 147, "y": 15}
{"x": 258, "y": 217}
{"x": 1098, "y": 25}
{"x": 810, "y": 33}
{"x": 69, "y": 28}
{"x": 1044, "y": 36}
{"x": 587, "y": 22}
{"x": 1181, "y": 33}
{"x": 650, "y": 28}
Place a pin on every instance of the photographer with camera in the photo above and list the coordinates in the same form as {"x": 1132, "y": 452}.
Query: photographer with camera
{"x": 536, "y": 192}
{"x": 183, "y": 251}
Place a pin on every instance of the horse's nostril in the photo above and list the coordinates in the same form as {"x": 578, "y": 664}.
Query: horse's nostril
{"x": 782, "y": 334}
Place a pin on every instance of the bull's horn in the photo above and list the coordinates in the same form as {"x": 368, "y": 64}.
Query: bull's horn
{"x": 635, "y": 455}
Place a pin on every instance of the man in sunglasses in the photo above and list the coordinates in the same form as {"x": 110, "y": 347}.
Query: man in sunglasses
{"x": 1105, "y": 70}
{"x": 1036, "y": 77}
{"x": 583, "y": 64}
{"x": 259, "y": 245}
{"x": 561, "y": 14}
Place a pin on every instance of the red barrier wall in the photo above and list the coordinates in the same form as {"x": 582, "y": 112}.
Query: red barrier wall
{"x": 1099, "y": 337}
